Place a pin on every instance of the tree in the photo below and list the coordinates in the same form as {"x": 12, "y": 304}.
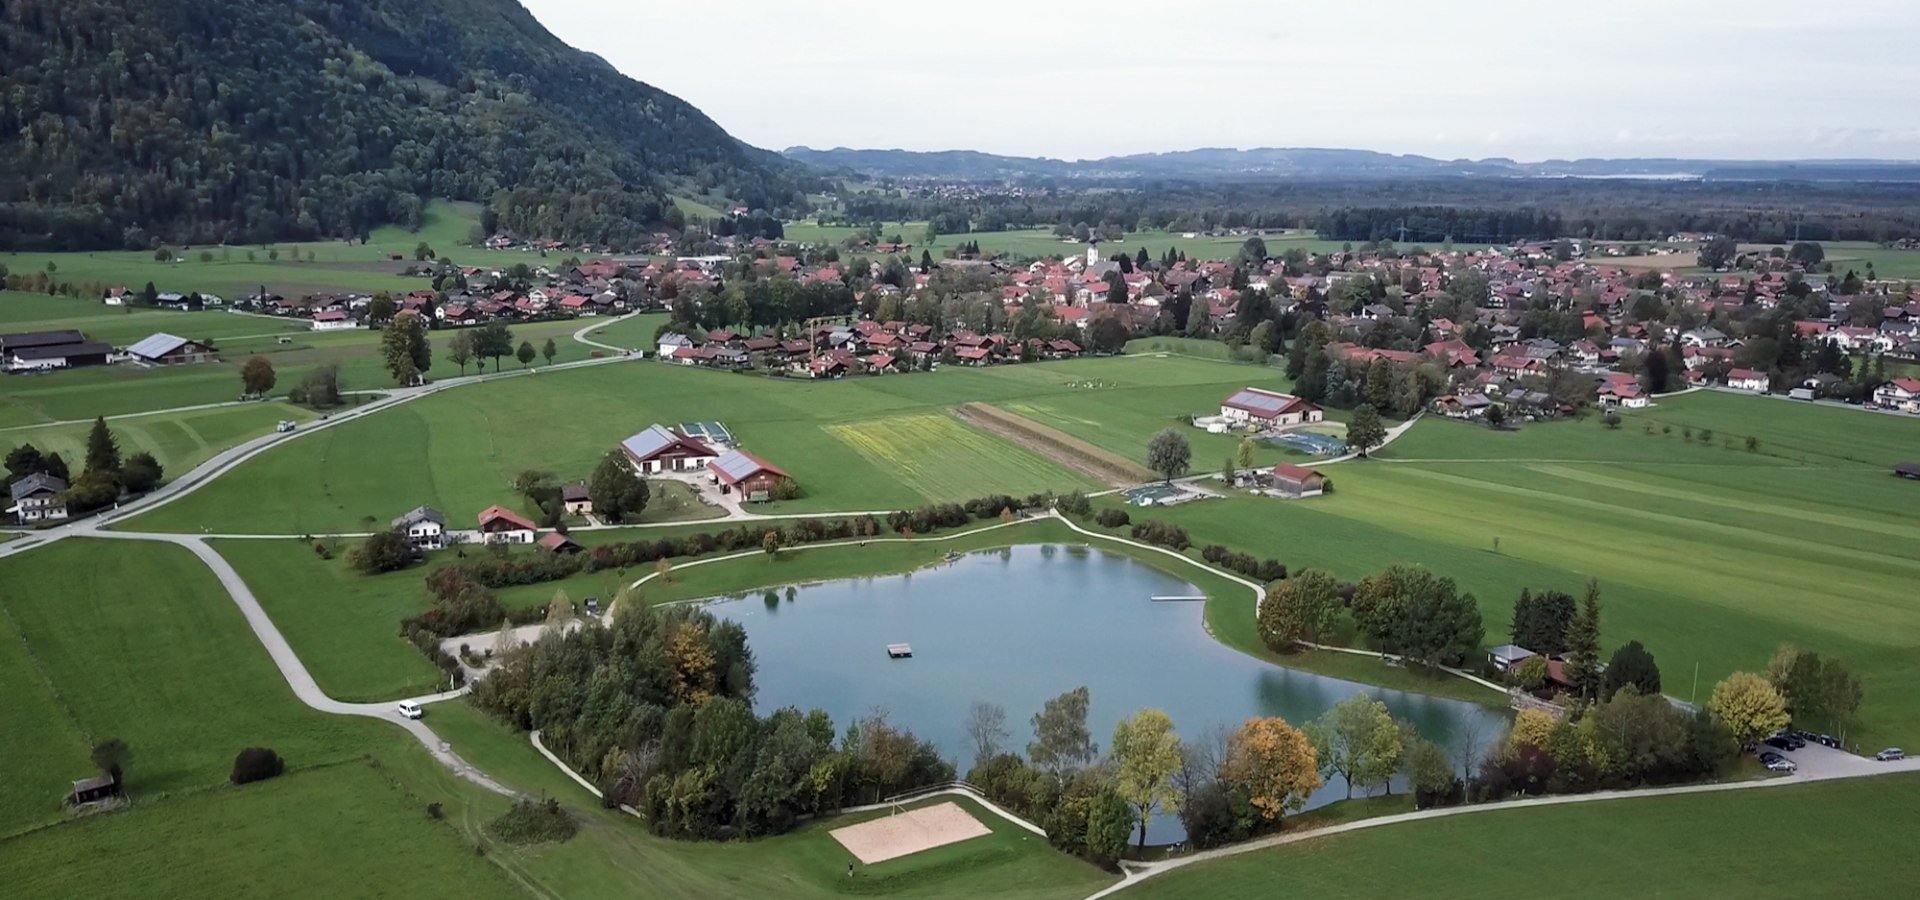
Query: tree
{"x": 1438, "y": 625}
{"x": 1243, "y": 454}
{"x": 1531, "y": 674}
{"x": 141, "y": 473}
{"x": 1496, "y": 415}
{"x": 615, "y": 490}
{"x": 770, "y": 542}
{"x": 493, "y": 341}
{"x": 1816, "y": 690}
{"x": 987, "y": 728}
{"x": 256, "y": 764}
{"x": 1273, "y": 763}
{"x": 24, "y": 460}
{"x": 549, "y": 351}
{"x": 1107, "y": 333}
{"x": 1061, "y": 742}
{"x": 1630, "y": 665}
{"x": 1748, "y": 707}
{"x": 1366, "y": 432}
{"x": 1358, "y": 740}
{"x": 1540, "y": 621}
{"x": 1430, "y": 773}
{"x": 320, "y": 388}
{"x": 1109, "y": 819}
{"x": 1146, "y": 754}
{"x": 1168, "y": 454}
{"x": 1583, "y": 644}
{"x": 1717, "y": 252}
{"x": 1302, "y": 608}
{"x": 1533, "y": 728}
{"x": 103, "y": 450}
{"x": 380, "y": 308}
{"x": 112, "y": 756}
{"x": 403, "y": 346}
{"x": 384, "y": 551}
{"x": 525, "y": 354}
{"x": 256, "y": 376}
{"x": 460, "y": 350}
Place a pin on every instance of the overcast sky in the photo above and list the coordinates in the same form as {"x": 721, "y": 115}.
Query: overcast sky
{"x": 1764, "y": 79}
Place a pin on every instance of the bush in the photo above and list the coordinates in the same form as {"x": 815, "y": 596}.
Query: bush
{"x": 1243, "y": 563}
{"x": 1112, "y": 517}
{"x": 1166, "y": 534}
{"x": 256, "y": 764}
{"x": 1075, "y": 504}
{"x": 386, "y": 551}
{"x": 532, "y": 822}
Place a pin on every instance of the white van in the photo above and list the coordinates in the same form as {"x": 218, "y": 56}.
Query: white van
{"x": 411, "y": 710}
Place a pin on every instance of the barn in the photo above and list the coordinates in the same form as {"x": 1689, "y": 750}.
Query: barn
{"x": 167, "y": 350}
{"x": 1261, "y": 409}
{"x": 751, "y": 476}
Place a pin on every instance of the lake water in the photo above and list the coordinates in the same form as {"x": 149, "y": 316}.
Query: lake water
{"x": 1021, "y": 625}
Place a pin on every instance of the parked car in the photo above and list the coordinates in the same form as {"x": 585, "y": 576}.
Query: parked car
{"x": 1890, "y": 754}
{"x": 1778, "y": 742}
{"x": 1827, "y": 740}
{"x": 411, "y": 710}
{"x": 1778, "y": 764}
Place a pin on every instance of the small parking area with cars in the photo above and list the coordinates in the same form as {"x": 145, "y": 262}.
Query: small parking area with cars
{"x": 1811, "y": 758}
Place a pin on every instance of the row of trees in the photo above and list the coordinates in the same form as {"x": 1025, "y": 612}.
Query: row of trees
{"x": 1405, "y": 610}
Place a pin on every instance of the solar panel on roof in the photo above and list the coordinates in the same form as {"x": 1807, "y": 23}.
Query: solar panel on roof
{"x": 736, "y": 465}
{"x": 649, "y": 442}
{"x": 1259, "y": 400}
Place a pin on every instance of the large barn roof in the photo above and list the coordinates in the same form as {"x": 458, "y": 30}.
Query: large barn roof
{"x": 737, "y": 466}
{"x": 156, "y": 345}
{"x": 657, "y": 439}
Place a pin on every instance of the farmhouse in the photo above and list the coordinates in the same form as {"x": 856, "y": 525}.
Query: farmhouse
{"x": 1506, "y": 656}
{"x": 424, "y": 527}
{"x": 38, "y": 498}
{"x": 661, "y": 449}
{"x": 1253, "y": 406}
{"x": 1748, "y": 380}
{"x": 1298, "y": 481}
{"x": 579, "y": 502}
{"x": 333, "y": 320}
{"x": 503, "y": 526}
{"x": 1900, "y": 393}
{"x": 754, "y": 478}
{"x": 42, "y": 350}
{"x": 166, "y": 350}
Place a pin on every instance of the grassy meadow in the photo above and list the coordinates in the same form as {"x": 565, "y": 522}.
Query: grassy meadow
{"x": 846, "y": 442}
{"x": 1818, "y": 839}
{"x": 1708, "y": 554}
{"x": 179, "y": 440}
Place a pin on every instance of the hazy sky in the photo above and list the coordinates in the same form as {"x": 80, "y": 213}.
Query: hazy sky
{"x": 1530, "y": 80}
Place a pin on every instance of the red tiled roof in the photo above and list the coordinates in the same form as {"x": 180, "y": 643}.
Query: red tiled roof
{"x": 497, "y": 512}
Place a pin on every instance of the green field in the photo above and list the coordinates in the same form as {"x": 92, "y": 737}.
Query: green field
{"x": 237, "y": 270}
{"x": 1707, "y": 555}
{"x": 457, "y": 451}
{"x": 138, "y": 641}
{"x": 346, "y": 830}
{"x": 178, "y": 440}
{"x": 121, "y": 389}
{"x": 1827, "y": 840}
{"x": 1041, "y": 242}
{"x": 635, "y": 332}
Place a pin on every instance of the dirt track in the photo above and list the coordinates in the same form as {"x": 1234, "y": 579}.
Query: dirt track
{"x": 1108, "y": 468}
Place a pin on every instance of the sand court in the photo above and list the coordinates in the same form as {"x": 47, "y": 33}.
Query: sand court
{"x": 903, "y": 834}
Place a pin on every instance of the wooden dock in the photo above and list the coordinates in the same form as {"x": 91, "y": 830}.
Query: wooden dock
{"x": 900, "y": 651}
{"x": 1179, "y": 598}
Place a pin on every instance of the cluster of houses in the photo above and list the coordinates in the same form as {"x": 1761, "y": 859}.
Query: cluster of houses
{"x": 425, "y": 528}
{"x": 863, "y": 347}
{"x": 44, "y": 351}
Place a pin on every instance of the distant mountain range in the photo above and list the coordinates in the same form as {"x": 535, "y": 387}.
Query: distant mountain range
{"x": 1281, "y": 163}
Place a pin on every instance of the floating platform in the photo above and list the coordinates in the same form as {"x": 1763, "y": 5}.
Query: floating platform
{"x": 900, "y": 651}
{"x": 1179, "y": 598}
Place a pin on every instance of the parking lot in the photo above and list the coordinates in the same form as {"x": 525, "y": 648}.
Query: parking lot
{"x": 1815, "y": 761}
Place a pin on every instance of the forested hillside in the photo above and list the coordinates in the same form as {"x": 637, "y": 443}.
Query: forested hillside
{"x": 246, "y": 121}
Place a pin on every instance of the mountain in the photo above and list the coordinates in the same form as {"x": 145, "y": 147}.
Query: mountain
{"x": 1281, "y": 163}
{"x": 249, "y": 121}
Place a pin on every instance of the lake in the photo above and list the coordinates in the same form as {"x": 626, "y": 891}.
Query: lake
{"x": 1020, "y": 625}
